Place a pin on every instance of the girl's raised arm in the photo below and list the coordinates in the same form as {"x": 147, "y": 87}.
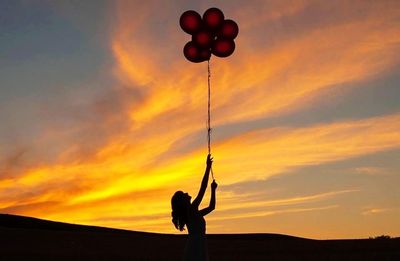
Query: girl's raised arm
{"x": 204, "y": 183}
{"x": 211, "y": 207}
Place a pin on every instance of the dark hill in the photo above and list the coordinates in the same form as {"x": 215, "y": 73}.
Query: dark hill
{"x": 15, "y": 221}
{"x": 25, "y": 238}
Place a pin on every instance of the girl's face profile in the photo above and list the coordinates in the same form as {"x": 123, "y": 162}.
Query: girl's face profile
{"x": 188, "y": 197}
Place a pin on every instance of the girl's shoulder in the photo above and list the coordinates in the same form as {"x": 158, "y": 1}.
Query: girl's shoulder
{"x": 193, "y": 210}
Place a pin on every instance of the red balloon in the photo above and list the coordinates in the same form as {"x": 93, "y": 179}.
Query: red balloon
{"x": 190, "y": 22}
{"x": 223, "y": 47}
{"x": 203, "y": 38}
{"x": 205, "y": 54}
{"x": 213, "y": 18}
{"x": 229, "y": 30}
{"x": 196, "y": 54}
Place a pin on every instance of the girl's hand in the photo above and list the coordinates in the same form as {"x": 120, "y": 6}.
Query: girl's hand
{"x": 214, "y": 185}
{"x": 209, "y": 160}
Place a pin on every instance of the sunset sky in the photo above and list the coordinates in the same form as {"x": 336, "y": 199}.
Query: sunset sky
{"x": 102, "y": 118}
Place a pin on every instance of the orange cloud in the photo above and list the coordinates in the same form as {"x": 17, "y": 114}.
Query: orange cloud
{"x": 258, "y": 81}
{"x": 240, "y": 202}
{"x": 266, "y": 152}
{"x": 264, "y": 213}
{"x": 255, "y": 155}
{"x": 372, "y": 211}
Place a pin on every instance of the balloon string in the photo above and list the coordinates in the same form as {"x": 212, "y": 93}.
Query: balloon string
{"x": 209, "y": 113}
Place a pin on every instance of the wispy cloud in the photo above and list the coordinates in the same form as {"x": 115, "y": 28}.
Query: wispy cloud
{"x": 373, "y": 211}
{"x": 371, "y": 171}
{"x": 263, "y": 153}
{"x": 259, "y": 81}
{"x": 264, "y": 213}
{"x": 242, "y": 201}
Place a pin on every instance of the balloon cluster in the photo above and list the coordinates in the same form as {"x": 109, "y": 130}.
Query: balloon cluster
{"x": 211, "y": 34}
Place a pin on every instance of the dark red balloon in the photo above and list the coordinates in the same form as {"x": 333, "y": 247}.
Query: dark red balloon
{"x": 229, "y": 30}
{"x": 205, "y": 54}
{"x": 223, "y": 47}
{"x": 196, "y": 54}
{"x": 203, "y": 38}
{"x": 213, "y": 18}
{"x": 190, "y": 22}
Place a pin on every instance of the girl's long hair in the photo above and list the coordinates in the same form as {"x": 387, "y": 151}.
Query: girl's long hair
{"x": 179, "y": 210}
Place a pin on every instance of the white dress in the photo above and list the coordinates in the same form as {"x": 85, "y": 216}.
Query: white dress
{"x": 196, "y": 245}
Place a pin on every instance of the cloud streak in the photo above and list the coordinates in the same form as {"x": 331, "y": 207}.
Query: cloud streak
{"x": 267, "y": 152}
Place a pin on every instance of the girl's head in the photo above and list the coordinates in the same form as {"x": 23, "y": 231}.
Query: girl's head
{"x": 180, "y": 202}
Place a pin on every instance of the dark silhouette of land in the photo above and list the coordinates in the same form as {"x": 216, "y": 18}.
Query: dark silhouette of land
{"x": 25, "y": 238}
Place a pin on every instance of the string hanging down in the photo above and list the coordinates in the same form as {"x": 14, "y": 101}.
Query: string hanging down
{"x": 211, "y": 34}
{"x": 209, "y": 113}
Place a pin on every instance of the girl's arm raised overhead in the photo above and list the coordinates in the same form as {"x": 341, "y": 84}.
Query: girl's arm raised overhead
{"x": 204, "y": 182}
{"x": 211, "y": 207}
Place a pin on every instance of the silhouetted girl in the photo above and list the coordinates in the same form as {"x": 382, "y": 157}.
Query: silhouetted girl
{"x": 186, "y": 213}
